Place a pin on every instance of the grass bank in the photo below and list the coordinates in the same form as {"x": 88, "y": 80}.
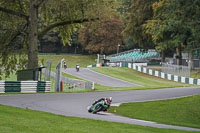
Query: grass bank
{"x": 133, "y": 76}
{"x": 28, "y": 121}
{"x": 181, "y": 111}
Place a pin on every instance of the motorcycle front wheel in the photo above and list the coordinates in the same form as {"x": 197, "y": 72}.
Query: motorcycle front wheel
{"x": 97, "y": 109}
{"x": 90, "y": 109}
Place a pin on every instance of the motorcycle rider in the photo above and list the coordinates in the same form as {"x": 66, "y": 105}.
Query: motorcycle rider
{"x": 65, "y": 65}
{"x": 106, "y": 100}
{"x": 77, "y": 67}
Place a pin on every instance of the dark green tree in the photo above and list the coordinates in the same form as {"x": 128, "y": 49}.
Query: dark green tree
{"x": 23, "y": 22}
{"x": 175, "y": 24}
{"x": 140, "y": 12}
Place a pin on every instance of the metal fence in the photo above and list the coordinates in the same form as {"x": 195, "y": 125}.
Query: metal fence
{"x": 75, "y": 84}
{"x": 68, "y": 83}
{"x": 58, "y": 77}
{"x": 47, "y": 71}
{"x": 176, "y": 69}
{"x": 65, "y": 83}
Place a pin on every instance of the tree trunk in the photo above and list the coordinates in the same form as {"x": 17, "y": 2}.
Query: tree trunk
{"x": 179, "y": 55}
{"x": 190, "y": 62}
{"x": 162, "y": 56}
{"x": 33, "y": 36}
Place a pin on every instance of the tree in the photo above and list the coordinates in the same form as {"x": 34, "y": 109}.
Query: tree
{"x": 175, "y": 24}
{"x": 140, "y": 12}
{"x": 124, "y": 8}
{"x": 103, "y": 36}
{"x": 23, "y": 22}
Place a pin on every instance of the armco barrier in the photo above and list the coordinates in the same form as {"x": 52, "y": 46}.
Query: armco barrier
{"x": 25, "y": 86}
{"x": 12, "y": 86}
{"x": 28, "y": 86}
{"x": 2, "y": 86}
{"x": 43, "y": 86}
{"x": 48, "y": 86}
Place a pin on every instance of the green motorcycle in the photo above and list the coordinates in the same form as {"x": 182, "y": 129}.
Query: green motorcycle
{"x": 99, "y": 106}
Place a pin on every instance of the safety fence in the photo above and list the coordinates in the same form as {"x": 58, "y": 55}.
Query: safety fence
{"x": 25, "y": 86}
{"x": 176, "y": 69}
{"x": 73, "y": 84}
{"x": 167, "y": 76}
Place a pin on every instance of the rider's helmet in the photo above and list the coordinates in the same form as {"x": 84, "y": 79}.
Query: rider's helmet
{"x": 108, "y": 100}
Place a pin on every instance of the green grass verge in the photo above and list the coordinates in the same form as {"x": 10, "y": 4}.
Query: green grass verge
{"x": 133, "y": 76}
{"x": 16, "y": 120}
{"x": 181, "y": 111}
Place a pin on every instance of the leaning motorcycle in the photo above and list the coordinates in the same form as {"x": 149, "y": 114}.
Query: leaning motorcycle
{"x": 100, "y": 106}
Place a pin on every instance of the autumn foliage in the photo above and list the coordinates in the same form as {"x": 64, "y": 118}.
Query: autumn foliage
{"x": 103, "y": 36}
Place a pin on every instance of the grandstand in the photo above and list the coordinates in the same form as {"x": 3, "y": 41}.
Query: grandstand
{"x": 135, "y": 55}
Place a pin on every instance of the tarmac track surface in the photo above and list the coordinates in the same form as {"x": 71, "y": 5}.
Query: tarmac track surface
{"x": 76, "y": 104}
{"x": 99, "y": 78}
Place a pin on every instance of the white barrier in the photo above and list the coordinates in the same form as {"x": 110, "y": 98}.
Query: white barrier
{"x": 2, "y": 86}
{"x": 26, "y": 86}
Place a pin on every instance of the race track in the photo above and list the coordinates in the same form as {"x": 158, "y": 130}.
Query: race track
{"x": 76, "y": 104}
{"x": 99, "y": 78}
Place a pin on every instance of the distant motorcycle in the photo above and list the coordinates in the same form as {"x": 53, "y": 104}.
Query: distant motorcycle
{"x": 77, "y": 67}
